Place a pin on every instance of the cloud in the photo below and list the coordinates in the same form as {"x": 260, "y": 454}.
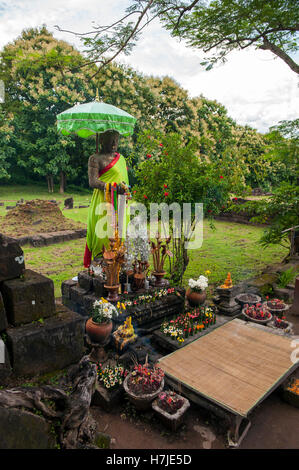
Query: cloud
{"x": 256, "y": 88}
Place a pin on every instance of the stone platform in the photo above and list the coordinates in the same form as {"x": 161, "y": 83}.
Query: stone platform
{"x": 80, "y": 296}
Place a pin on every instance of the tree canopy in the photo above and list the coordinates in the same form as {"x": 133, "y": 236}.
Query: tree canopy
{"x": 216, "y": 27}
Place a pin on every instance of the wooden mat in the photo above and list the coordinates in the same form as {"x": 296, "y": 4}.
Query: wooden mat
{"x": 234, "y": 366}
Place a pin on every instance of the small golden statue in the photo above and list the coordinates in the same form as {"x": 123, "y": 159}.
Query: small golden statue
{"x": 228, "y": 282}
{"x": 124, "y": 334}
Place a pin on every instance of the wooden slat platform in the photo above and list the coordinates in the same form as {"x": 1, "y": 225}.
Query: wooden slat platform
{"x": 235, "y": 366}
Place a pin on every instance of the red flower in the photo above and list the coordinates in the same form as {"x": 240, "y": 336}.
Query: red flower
{"x": 148, "y": 155}
{"x": 209, "y": 210}
{"x": 161, "y": 145}
{"x": 134, "y": 191}
{"x": 145, "y": 197}
{"x": 221, "y": 177}
{"x": 165, "y": 186}
{"x": 166, "y": 153}
{"x": 165, "y": 194}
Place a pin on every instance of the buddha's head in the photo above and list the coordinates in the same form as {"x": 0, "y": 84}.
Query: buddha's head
{"x": 109, "y": 141}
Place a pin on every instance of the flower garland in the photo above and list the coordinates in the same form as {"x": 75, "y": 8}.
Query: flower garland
{"x": 150, "y": 298}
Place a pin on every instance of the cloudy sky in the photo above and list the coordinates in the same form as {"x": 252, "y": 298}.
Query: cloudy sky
{"x": 256, "y": 88}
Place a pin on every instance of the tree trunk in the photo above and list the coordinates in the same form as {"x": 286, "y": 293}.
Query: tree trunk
{"x": 77, "y": 428}
{"x": 62, "y": 182}
{"x": 50, "y": 183}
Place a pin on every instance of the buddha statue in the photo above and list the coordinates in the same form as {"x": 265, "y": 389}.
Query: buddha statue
{"x": 227, "y": 283}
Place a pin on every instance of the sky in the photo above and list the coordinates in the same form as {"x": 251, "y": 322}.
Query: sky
{"x": 256, "y": 88}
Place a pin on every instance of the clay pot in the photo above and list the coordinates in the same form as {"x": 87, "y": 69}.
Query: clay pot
{"x": 254, "y": 320}
{"x": 159, "y": 278}
{"x": 112, "y": 293}
{"x": 196, "y": 298}
{"x": 98, "y": 332}
{"x": 141, "y": 402}
{"x": 139, "y": 280}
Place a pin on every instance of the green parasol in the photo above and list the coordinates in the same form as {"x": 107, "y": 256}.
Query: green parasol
{"x": 93, "y": 118}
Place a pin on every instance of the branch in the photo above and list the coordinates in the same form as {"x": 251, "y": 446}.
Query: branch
{"x": 267, "y": 45}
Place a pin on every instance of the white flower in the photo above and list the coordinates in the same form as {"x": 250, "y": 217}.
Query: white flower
{"x": 200, "y": 284}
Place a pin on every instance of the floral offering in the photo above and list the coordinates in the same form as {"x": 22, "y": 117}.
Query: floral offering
{"x": 294, "y": 387}
{"x": 189, "y": 324}
{"x": 170, "y": 402}
{"x": 110, "y": 376}
{"x": 145, "y": 380}
{"x": 256, "y": 312}
{"x": 199, "y": 285}
{"x": 104, "y": 311}
{"x": 280, "y": 323}
{"x": 148, "y": 298}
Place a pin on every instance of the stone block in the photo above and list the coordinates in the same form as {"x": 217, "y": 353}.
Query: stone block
{"x": 85, "y": 280}
{"x": 66, "y": 286}
{"x": 5, "y": 367}
{"x": 88, "y": 302}
{"x": 98, "y": 287}
{"x": 11, "y": 259}
{"x": 24, "y": 430}
{"x": 37, "y": 241}
{"x": 77, "y": 294}
{"x": 29, "y": 298}
{"x": 3, "y": 319}
{"x": 45, "y": 347}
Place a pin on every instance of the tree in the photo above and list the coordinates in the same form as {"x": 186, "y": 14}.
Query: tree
{"x": 39, "y": 85}
{"x": 219, "y": 27}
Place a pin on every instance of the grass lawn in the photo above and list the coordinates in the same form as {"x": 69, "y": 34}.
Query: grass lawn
{"x": 231, "y": 247}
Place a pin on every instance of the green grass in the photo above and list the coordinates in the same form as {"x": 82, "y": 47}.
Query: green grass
{"x": 231, "y": 247}
{"x": 11, "y": 194}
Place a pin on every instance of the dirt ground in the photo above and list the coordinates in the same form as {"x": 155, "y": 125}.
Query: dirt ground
{"x": 275, "y": 425}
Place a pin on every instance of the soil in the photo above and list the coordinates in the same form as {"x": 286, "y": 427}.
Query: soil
{"x": 274, "y": 425}
{"x": 36, "y": 216}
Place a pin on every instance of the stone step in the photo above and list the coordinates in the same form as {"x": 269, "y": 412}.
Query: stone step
{"x": 29, "y": 298}
{"x": 54, "y": 344}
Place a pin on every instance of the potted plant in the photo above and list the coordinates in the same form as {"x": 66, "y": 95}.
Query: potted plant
{"x": 109, "y": 385}
{"x": 99, "y": 325}
{"x": 196, "y": 293}
{"x": 143, "y": 385}
{"x": 171, "y": 407}
{"x": 159, "y": 251}
{"x": 276, "y": 307}
{"x": 282, "y": 324}
{"x": 257, "y": 314}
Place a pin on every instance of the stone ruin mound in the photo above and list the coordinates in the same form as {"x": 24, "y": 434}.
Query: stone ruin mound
{"x": 36, "y": 216}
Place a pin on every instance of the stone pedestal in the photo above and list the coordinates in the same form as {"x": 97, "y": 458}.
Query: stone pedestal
{"x": 11, "y": 259}
{"x": 225, "y": 301}
{"x": 28, "y": 298}
{"x": 80, "y": 296}
{"x": 56, "y": 343}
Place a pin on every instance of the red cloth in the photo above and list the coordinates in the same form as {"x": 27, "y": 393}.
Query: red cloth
{"x": 87, "y": 257}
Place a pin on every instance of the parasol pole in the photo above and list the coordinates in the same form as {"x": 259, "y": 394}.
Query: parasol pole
{"x": 97, "y": 142}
